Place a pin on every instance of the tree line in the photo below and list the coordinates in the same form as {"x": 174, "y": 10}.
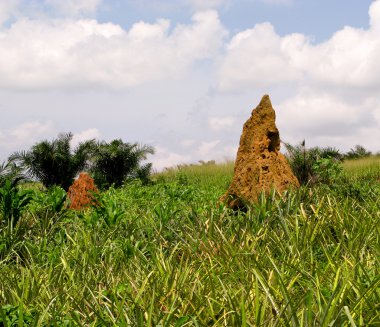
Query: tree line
{"x": 56, "y": 163}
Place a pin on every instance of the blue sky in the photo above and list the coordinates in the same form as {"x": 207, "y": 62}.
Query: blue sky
{"x": 184, "y": 75}
{"x": 319, "y": 19}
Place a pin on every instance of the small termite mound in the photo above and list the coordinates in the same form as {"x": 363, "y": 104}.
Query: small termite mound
{"x": 81, "y": 193}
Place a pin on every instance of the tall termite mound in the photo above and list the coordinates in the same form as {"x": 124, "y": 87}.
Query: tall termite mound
{"x": 259, "y": 166}
{"x": 81, "y": 192}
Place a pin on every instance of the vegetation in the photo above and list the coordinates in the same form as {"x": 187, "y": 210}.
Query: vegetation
{"x": 314, "y": 165}
{"x": 12, "y": 202}
{"x": 10, "y": 172}
{"x": 54, "y": 163}
{"x": 117, "y": 161}
{"x": 364, "y": 168}
{"x": 357, "y": 152}
{"x": 167, "y": 254}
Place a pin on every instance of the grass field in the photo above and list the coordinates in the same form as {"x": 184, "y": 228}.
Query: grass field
{"x": 168, "y": 255}
{"x": 367, "y": 168}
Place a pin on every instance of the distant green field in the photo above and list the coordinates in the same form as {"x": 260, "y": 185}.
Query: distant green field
{"x": 168, "y": 254}
{"x": 368, "y": 167}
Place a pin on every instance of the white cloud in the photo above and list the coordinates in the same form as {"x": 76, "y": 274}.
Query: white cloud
{"x": 75, "y": 7}
{"x": 32, "y": 130}
{"x": 165, "y": 158}
{"x": 3, "y": 140}
{"x": 25, "y": 135}
{"x": 215, "y": 150}
{"x": 314, "y": 113}
{"x": 374, "y": 15}
{"x": 187, "y": 143}
{"x": 259, "y": 57}
{"x": 194, "y": 152}
{"x": 88, "y": 134}
{"x": 7, "y": 9}
{"x": 348, "y": 59}
{"x": 84, "y": 53}
{"x": 205, "y": 150}
{"x": 221, "y": 123}
{"x": 326, "y": 92}
{"x": 326, "y": 120}
{"x": 255, "y": 58}
{"x": 332, "y": 86}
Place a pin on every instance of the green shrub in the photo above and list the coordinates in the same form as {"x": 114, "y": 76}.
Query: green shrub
{"x": 12, "y": 315}
{"x": 12, "y": 202}
{"x": 327, "y": 170}
{"x": 314, "y": 165}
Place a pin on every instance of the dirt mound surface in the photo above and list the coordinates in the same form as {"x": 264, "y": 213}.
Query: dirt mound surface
{"x": 81, "y": 192}
{"x": 259, "y": 166}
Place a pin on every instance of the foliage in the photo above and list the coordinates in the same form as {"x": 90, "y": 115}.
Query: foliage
{"x": 315, "y": 164}
{"x": 117, "y": 161}
{"x": 54, "y": 198}
{"x": 11, "y": 315}
{"x": 357, "y": 152}
{"x": 327, "y": 170}
{"x": 167, "y": 254}
{"x": 10, "y": 171}
{"x": 12, "y": 202}
{"x": 106, "y": 209}
{"x": 54, "y": 163}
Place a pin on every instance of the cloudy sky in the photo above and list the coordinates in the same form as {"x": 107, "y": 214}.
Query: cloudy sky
{"x": 184, "y": 75}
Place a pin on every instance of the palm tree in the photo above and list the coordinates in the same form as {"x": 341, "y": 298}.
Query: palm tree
{"x": 12, "y": 199}
{"x": 10, "y": 172}
{"x": 54, "y": 163}
{"x": 358, "y": 151}
{"x": 303, "y": 161}
{"x": 116, "y": 161}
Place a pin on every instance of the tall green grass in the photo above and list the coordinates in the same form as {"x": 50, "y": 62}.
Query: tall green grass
{"x": 368, "y": 167}
{"x": 169, "y": 254}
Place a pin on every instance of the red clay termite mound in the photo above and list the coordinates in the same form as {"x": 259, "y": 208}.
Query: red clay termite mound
{"x": 81, "y": 192}
{"x": 259, "y": 166}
